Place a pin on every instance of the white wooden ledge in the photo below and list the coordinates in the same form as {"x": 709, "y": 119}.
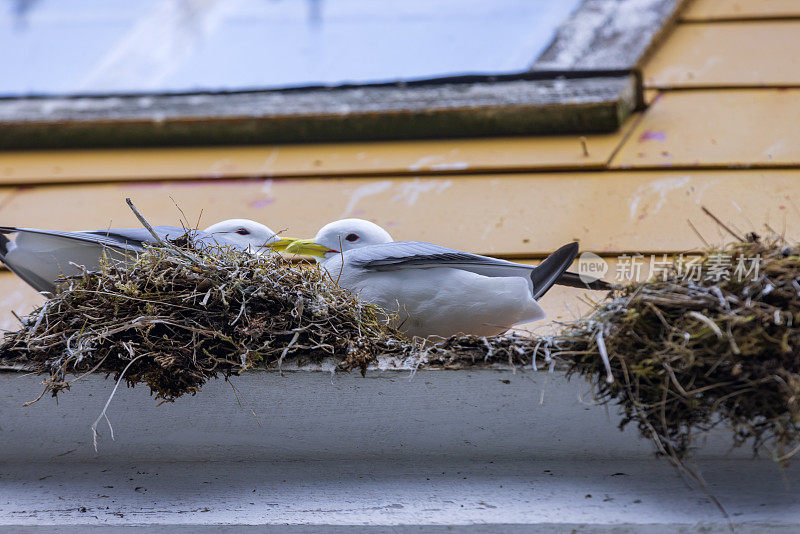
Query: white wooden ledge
{"x": 313, "y": 414}
{"x": 444, "y": 451}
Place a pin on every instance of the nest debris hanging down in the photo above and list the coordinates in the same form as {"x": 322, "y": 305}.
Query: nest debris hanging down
{"x": 175, "y": 317}
{"x": 685, "y": 355}
{"x": 688, "y": 355}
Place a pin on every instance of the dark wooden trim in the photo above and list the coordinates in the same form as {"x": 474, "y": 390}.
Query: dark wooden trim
{"x": 587, "y": 80}
{"x": 609, "y": 34}
{"x": 512, "y": 107}
{"x": 529, "y": 75}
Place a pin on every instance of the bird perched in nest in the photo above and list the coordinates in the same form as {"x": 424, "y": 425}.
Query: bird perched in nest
{"x": 40, "y": 256}
{"x": 434, "y": 290}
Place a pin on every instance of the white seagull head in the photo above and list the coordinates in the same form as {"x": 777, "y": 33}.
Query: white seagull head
{"x": 340, "y": 236}
{"x": 249, "y": 235}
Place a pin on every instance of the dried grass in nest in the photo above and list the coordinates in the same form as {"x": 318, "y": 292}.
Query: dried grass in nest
{"x": 176, "y": 317}
{"x": 685, "y": 356}
{"x": 688, "y": 356}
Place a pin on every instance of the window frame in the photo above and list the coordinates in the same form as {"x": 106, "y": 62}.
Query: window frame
{"x": 577, "y": 85}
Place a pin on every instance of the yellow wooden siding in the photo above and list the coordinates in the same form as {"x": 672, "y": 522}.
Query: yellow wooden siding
{"x": 705, "y": 10}
{"x": 732, "y": 128}
{"x": 650, "y": 96}
{"x": 508, "y": 215}
{"x": 719, "y": 54}
{"x": 15, "y": 295}
{"x": 403, "y": 157}
{"x": 699, "y": 119}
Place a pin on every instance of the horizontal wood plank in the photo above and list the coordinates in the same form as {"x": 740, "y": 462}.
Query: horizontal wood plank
{"x": 395, "y": 157}
{"x": 735, "y": 128}
{"x": 710, "y": 10}
{"x": 525, "y": 215}
{"x": 727, "y": 54}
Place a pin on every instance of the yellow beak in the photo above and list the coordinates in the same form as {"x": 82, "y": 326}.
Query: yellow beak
{"x": 282, "y": 243}
{"x": 307, "y": 247}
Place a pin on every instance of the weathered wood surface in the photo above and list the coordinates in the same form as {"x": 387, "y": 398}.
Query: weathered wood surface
{"x": 516, "y": 107}
{"x": 609, "y": 34}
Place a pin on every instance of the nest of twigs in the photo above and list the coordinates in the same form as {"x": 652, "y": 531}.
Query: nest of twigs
{"x": 679, "y": 354}
{"x": 690, "y": 354}
{"x": 174, "y": 317}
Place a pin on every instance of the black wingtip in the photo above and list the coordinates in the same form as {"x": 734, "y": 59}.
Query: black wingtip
{"x": 550, "y": 270}
{"x": 5, "y": 246}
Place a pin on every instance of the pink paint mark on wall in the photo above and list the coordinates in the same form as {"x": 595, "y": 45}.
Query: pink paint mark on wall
{"x": 261, "y": 203}
{"x": 650, "y": 135}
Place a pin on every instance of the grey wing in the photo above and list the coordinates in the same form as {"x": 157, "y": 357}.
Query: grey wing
{"x": 40, "y": 256}
{"x": 420, "y": 255}
{"x": 99, "y": 237}
{"x": 32, "y": 278}
{"x": 134, "y": 238}
{"x": 130, "y": 239}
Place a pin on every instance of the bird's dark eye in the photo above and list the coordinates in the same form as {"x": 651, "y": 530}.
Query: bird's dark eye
{"x": 243, "y": 231}
{"x": 351, "y": 237}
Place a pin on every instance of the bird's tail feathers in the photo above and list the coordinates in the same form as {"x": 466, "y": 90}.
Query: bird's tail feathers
{"x": 550, "y": 270}
{"x": 574, "y": 280}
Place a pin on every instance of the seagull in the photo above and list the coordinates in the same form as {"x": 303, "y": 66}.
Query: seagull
{"x": 39, "y": 257}
{"x": 433, "y": 290}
